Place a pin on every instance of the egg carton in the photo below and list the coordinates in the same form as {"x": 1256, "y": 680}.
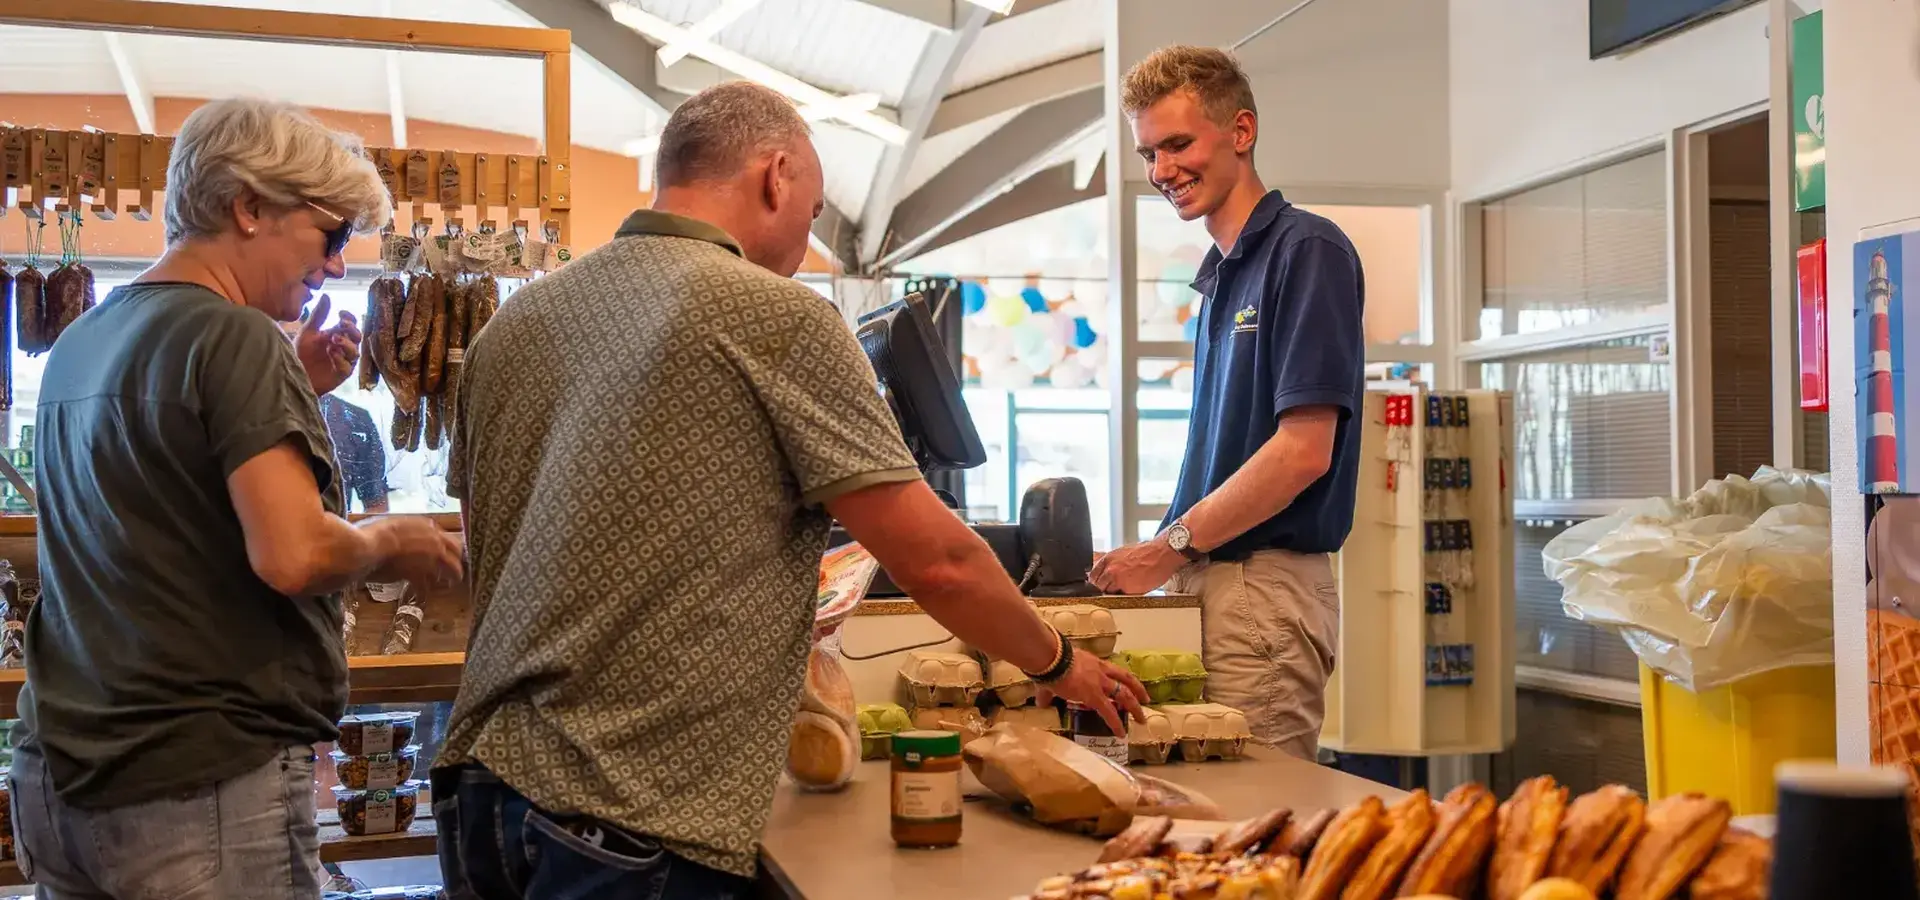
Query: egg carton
{"x": 1208, "y": 731}
{"x": 879, "y": 722}
{"x": 949, "y": 718}
{"x": 1090, "y": 628}
{"x": 941, "y": 679}
{"x": 1151, "y": 742}
{"x": 1170, "y": 676}
{"x": 1012, "y": 686}
{"x": 1045, "y": 718}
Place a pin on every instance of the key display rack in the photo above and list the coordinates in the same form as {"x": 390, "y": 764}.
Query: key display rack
{"x": 1425, "y": 662}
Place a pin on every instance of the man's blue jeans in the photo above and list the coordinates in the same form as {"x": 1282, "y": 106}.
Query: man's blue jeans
{"x": 496, "y": 845}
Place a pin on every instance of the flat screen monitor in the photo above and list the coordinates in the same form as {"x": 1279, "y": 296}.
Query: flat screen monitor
{"x": 1614, "y": 26}
{"x": 919, "y": 383}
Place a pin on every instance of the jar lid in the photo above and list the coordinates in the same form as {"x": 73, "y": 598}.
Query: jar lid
{"x": 926, "y": 743}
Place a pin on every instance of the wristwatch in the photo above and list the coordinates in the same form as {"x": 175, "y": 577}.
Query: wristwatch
{"x": 1181, "y": 540}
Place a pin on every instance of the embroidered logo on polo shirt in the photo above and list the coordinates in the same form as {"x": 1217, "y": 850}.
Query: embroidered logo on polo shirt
{"x": 1246, "y": 320}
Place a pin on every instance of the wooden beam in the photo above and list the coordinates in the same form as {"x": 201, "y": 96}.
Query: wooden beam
{"x": 931, "y": 76}
{"x": 140, "y": 17}
{"x": 137, "y": 95}
{"x": 1047, "y": 190}
{"x": 621, "y": 53}
{"x": 1021, "y": 89}
{"x": 1015, "y": 152}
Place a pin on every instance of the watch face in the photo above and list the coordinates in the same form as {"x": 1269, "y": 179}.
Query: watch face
{"x": 1178, "y": 537}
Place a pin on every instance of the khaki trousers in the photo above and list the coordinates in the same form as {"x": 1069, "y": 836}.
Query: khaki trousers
{"x": 1268, "y": 628}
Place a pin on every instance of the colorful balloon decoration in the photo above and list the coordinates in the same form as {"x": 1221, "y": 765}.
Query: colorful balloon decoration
{"x": 1007, "y": 312}
{"x": 973, "y": 297}
{"x": 1190, "y": 329}
{"x": 1036, "y": 301}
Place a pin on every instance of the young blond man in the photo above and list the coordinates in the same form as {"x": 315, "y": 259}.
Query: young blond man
{"x": 1266, "y": 490}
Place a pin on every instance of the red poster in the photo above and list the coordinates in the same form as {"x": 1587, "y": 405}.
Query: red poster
{"x": 1813, "y": 326}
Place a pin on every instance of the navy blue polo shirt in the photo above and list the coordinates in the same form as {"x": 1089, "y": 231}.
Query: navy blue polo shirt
{"x": 1280, "y": 327}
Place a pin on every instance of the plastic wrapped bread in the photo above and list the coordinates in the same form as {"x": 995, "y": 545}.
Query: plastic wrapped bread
{"x": 824, "y": 746}
{"x": 941, "y": 679}
{"x": 1067, "y": 786}
{"x": 1208, "y": 731}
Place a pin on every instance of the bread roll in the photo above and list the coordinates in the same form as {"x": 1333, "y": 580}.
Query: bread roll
{"x": 829, "y": 692}
{"x": 821, "y": 754}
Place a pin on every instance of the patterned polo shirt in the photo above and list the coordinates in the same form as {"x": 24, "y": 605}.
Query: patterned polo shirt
{"x": 643, "y": 444}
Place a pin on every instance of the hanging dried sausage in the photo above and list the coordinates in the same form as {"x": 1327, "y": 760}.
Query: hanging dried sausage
{"x": 29, "y": 297}
{"x": 433, "y": 373}
{"x": 6, "y": 337}
{"x": 377, "y": 322}
{"x": 69, "y": 292}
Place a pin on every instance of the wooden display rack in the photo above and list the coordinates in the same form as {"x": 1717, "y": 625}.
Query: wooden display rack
{"x": 1381, "y": 698}
{"x": 91, "y": 169}
{"x": 75, "y": 166}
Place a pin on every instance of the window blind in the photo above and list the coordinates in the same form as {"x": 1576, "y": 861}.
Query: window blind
{"x": 1590, "y": 422}
{"x": 1576, "y": 250}
{"x": 1543, "y": 635}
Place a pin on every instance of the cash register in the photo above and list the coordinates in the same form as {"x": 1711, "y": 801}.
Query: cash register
{"x": 1049, "y": 550}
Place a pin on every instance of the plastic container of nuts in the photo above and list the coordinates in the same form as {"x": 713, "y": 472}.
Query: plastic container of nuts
{"x": 378, "y": 733}
{"x": 382, "y": 811}
{"x": 376, "y": 770}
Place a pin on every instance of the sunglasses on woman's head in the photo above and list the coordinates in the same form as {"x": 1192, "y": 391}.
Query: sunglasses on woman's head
{"x": 338, "y": 235}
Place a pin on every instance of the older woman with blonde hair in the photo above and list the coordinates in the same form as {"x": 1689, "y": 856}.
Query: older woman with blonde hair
{"x": 185, "y": 655}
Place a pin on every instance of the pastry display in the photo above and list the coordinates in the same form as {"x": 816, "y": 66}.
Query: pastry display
{"x": 1682, "y": 833}
{"x": 1252, "y": 835}
{"x": 1528, "y": 825}
{"x": 1345, "y": 845}
{"x": 1738, "y": 870}
{"x": 1451, "y": 862}
{"x": 1600, "y": 828}
{"x": 1557, "y": 889}
{"x": 1188, "y": 877}
{"x": 1409, "y": 824}
{"x": 1535, "y": 846}
{"x": 1302, "y": 834}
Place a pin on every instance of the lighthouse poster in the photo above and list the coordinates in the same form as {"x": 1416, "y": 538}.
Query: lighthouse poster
{"x": 1882, "y": 331}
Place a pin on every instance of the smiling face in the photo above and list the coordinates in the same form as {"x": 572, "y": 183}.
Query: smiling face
{"x": 1192, "y": 160}
{"x": 285, "y": 258}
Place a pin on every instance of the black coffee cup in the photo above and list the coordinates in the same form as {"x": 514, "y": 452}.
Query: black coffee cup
{"x": 1842, "y": 833}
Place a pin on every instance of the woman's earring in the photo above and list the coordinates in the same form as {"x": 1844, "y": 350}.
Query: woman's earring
{"x": 249, "y": 231}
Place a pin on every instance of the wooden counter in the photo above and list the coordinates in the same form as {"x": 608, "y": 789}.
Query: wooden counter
{"x": 837, "y": 846}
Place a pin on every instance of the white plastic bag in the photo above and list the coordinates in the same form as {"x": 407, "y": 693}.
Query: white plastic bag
{"x": 1733, "y": 581}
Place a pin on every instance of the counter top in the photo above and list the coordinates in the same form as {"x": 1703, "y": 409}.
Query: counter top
{"x": 838, "y": 847}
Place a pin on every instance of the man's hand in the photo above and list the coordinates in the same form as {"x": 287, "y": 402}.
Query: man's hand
{"x": 328, "y": 355}
{"x": 1101, "y": 686}
{"x": 419, "y": 552}
{"x": 1136, "y": 568}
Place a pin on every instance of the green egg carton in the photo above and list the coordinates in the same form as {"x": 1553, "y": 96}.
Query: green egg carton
{"x": 879, "y": 722}
{"x": 1171, "y": 676}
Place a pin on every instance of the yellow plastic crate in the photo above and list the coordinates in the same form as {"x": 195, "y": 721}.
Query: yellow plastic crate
{"x": 1726, "y": 741}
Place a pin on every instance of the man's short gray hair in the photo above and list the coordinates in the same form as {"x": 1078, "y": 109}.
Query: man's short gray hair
{"x": 716, "y": 132}
{"x": 278, "y": 151}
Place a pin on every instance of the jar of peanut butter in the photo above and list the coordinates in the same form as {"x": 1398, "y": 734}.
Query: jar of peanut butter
{"x": 926, "y": 788}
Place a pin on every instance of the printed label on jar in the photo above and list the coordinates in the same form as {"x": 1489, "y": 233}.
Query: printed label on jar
{"x": 383, "y": 813}
{"x": 926, "y": 795}
{"x": 1113, "y": 748}
{"x": 376, "y": 738}
{"x": 383, "y": 772}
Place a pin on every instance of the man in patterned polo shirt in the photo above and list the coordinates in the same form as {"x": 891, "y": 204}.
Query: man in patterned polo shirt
{"x": 651, "y": 444}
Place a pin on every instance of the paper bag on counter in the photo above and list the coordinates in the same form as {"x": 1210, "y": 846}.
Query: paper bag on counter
{"x": 1070, "y": 787}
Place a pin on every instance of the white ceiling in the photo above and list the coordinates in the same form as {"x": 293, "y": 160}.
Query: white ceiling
{"x": 841, "y": 46}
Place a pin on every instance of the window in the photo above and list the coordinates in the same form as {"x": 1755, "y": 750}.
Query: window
{"x": 1592, "y": 416}
{"x": 1576, "y": 251}
{"x": 1590, "y": 422}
